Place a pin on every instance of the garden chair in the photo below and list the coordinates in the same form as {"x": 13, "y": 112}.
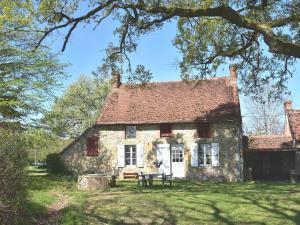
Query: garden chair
{"x": 142, "y": 181}
{"x": 167, "y": 178}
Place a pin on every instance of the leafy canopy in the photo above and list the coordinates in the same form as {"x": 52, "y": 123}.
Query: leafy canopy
{"x": 78, "y": 108}
{"x": 263, "y": 36}
{"x": 28, "y": 78}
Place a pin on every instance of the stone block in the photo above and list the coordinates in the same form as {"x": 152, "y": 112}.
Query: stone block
{"x": 93, "y": 182}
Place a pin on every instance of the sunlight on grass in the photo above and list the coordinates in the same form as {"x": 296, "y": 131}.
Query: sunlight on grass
{"x": 187, "y": 202}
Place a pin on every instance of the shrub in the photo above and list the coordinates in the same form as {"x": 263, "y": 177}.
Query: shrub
{"x": 13, "y": 160}
{"x": 55, "y": 164}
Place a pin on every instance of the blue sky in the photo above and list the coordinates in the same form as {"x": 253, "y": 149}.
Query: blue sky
{"x": 86, "y": 49}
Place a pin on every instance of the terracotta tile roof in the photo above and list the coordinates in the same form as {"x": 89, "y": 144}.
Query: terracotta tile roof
{"x": 266, "y": 143}
{"x": 174, "y": 101}
{"x": 294, "y": 120}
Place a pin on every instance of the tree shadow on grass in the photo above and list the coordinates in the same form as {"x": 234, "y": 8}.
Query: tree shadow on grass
{"x": 49, "y": 181}
{"x": 32, "y": 211}
{"x": 129, "y": 204}
{"x": 274, "y": 208}
{"x": 268, "y": 196}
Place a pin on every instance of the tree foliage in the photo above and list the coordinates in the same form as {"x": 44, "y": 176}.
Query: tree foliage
{"x": 40, "y": 142}
{"x": 77, "y": 109}
{"x": 262, "y": 36}
{"x": 27, "y": 78}
{"x": 55, "y": 164}
{"x": 13, "y": 159}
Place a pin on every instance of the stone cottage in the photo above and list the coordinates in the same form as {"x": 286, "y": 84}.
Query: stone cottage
{"x": 276, "y": 156}
{"x": 191, "y": 129}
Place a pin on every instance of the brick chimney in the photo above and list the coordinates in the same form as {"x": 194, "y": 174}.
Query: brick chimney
{"x": 287, "y": 106}
{"x": 233, "y": 82}
{"x": 233, "y": 74}
{"x": 116, "y": 79}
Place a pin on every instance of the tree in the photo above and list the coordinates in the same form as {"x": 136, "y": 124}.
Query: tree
{"x": 27, "y": 82}
{"x": 39, "y": 142}
{"x": 264, "y": 116}
{"x": 13, "y": 159}
{"x": 262, "y": 35}
{"x": 27, "y": 78}
{"x": 77, "y": 109}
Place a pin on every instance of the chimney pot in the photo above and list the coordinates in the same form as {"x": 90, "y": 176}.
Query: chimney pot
{"x": 288, "y": 104}
{"x": 116, "y": 79}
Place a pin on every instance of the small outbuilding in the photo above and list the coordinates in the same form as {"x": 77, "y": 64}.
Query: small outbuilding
{"x": 276, "y": 157}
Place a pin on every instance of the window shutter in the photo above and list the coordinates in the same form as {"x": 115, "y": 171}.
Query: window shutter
{"x": 140, "y": 155}
{"x": 121, "y": 155}
{"x": 92, "y": 146}
{"x": 165, "y": 130}
{"x": 194, "y": 155}
{"x": 203, "y": 130}
{"x": 215, "y": 154}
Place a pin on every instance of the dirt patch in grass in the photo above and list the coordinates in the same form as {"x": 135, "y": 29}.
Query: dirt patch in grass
{"x": 54, "y": 210}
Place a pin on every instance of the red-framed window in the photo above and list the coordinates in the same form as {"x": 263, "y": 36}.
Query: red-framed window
{"x": 92, "y": 146}
{"x": 204, "y": 130}
{"x": 166, "y": 130}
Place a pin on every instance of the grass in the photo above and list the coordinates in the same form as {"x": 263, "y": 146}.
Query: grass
{"x": 187, "y": 202}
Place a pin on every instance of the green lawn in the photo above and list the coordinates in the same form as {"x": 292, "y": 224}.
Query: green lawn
{"x": 187, "y": 202}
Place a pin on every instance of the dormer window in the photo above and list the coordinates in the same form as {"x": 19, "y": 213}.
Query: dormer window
{"x": 130, "y": 132}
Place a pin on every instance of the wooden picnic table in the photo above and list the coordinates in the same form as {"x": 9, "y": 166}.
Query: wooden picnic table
{"x": 146, "y": 179}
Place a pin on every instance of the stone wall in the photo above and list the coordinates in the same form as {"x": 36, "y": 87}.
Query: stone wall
{"x": 77, "y": 161}
{"x": 227, "y": 134}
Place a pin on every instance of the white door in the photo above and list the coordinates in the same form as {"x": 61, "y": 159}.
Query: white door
{"x": 177, "y": 156}
{"x": 163, "y": 156}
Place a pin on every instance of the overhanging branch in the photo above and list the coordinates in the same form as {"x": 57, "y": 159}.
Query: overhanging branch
{"x": 275, "y": 42}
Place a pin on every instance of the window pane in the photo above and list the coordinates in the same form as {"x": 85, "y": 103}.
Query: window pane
{"x": 174, "y": 154}
{"x": 133, "y": 155}
{"x": 201, "y": 154}
{"x": 133, "y": 152}
{"x": 130, "y": 155}
{"x": 127, "y": 161}
{"x": 177, "y": 155}
{"x": 208, "y": 154}
{"x": 134, "y": 161}
{"x": 127, "y": 155}
{"x": 130, "y": 131}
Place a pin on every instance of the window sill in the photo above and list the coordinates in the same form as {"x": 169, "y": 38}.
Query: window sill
{"x": 208, "y": 166}
{"x": 130, "y": 166}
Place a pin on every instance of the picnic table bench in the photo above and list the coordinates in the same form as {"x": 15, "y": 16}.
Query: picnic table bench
{"x": 127, "y": 175}
{"x": 145, "y": 180}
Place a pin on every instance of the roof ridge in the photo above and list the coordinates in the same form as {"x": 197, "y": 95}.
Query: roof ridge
{"x": 295, "y": 110}
{"x": 181, "y": 81}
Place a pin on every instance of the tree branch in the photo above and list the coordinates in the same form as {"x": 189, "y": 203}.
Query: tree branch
{"x": 275, "y": 42}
